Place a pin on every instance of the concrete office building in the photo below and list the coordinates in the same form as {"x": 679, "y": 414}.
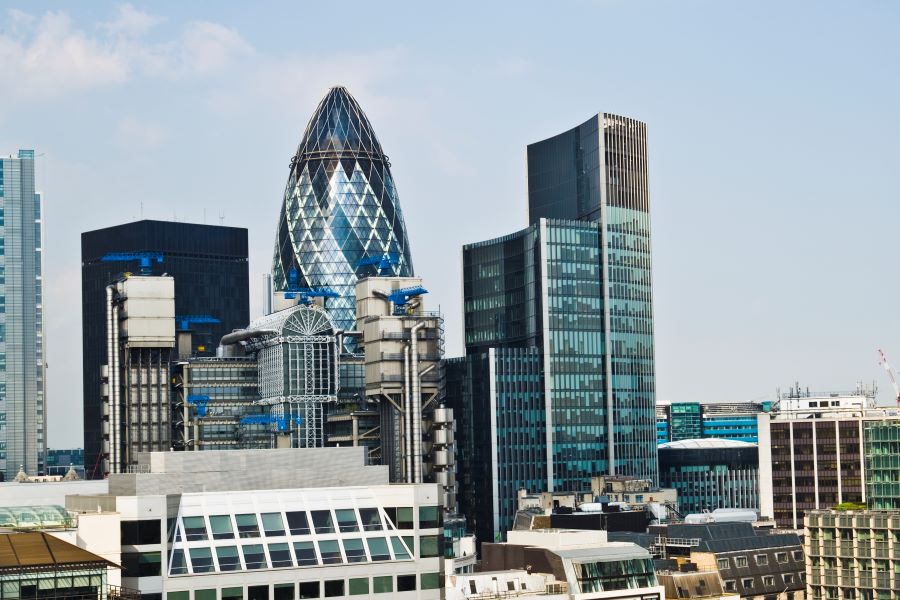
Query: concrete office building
{"x": 852, "y": 554}
{"x": 812, "y": 452}
{"x": 270, "y": 525}
{"x": 23, "y": 415}
{"x": 209, "y": 266}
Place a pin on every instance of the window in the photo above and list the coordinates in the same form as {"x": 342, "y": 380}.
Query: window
{"x": 429, "y": 517}
{"x": 280, "y": 555}
{"x": 354, "y": 550}
{"x": 178, "y": 595}
{"x": 358, "y": 586}
{"x": 258, "y": 592}
{"x": 401, "y": 518}
{"x": 431, "y": 581}
{"x": 729, "y": 585}
{"x": 205, "y": 594}
{"x": 306, "y": 554}
{"x": 723, "y": 563}
{"x": 747, "y": 583}
{"x": 135, "y": 533}
{"x": 740, "y": 561}
{"x": 378, "y": 549}
{"x": 330, "y": 550}
{"x": 371, "y": 520}
{"x": 254, "y": 556}
{"x": 429, "y": 546}
{"x": 383, "y": 585}
{"x": 308, "y": 589}
{"x": 284, "y": 591}
{"x": 334, "y": 587}
{"x": 346, "y": 519}
{"x": 322, "y": 521}
{"x": 228, "y": 558}
{"x": 788, "y": 578}
{"x": 194, "y": 528}
{"x": 781, "y": 557}
{"x": 798, "y": 555}
{"x": 233, "y": 593}
{"x": 141, "y": 564}
{"x": 221, "y": 527}
{"x": 400, "y": 551}
{"x": 762, "y": 559}
{"x": 178, "y": 566}
{"x": 272, "y": 524}
{"x": 768, "y": 581}
{"x": 298, "y": 523}
{"x": 247, "y": 526}
{"x": 406, "y": 583}
{"x": 201, "y": 560}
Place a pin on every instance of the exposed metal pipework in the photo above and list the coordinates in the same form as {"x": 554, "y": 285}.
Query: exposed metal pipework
{"x": 240, "y": 335}
{"x": 416, "y": 402}
{"x": 407, "y": 418}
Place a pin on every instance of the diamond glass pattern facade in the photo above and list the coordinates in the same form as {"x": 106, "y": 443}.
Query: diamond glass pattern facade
{"x": 341, "y": 209}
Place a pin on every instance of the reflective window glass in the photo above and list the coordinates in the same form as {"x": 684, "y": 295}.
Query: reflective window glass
{"x": 378, "y": 549}
{"x": 298, "y": 523}
{"x": 429, "y": 517}
{"x": 205, "y": 594}
{"x": 254, "y": 556}
{"x": 371, "y": 520}
{"x": 221, "y": 527}
{"x": 178, "y": 565}
{"x": 430, "y": 581}
{"x": 228, "y": 558}
{"x": 305, "y": 553}
{"x": 400, "y": 552}
{"x": 429, "y": 546}
{"x": 346, "y": 518}
{"x": 322, "y": 521}
{"x": 280, "y": 555}
{"x": 272, "y": 524}
{"x": 309, "y": 589}
{"x": 354, "y": 550}
{"x": 330, "y": 551}
{"x": 247, "y": 526}
{"x": 201, "y": 560}
{"x": 194, "y": 528}
{"x": 358, "y": 586}
{"x": 233, "y": 593}
{"x": 383, "y": 584}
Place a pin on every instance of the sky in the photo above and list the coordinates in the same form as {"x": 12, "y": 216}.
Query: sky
{"x": 773, "y": 140}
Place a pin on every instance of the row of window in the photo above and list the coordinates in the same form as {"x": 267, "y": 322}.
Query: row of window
{"x": 760, "y": 559}
{"x": 768, "y": 581}
{"x": 204, "y": 559}
{"x": 330, "y": 588}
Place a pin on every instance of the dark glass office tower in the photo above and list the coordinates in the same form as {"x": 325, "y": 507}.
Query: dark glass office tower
{"x": 598, "y": 172}
{"x": 341, "y": 216}
{"x": 209, "y": 265}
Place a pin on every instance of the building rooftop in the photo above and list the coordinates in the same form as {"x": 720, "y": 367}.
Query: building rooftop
{"x": 27, "y": 551}
{"x": 705, "y": 444}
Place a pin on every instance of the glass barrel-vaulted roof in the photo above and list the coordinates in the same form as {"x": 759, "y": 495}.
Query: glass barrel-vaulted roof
{"x": 341, "y": 212}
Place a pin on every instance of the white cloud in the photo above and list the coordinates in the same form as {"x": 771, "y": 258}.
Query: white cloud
{"x": 209, "y": 47}
{"x": 131, "y": 22}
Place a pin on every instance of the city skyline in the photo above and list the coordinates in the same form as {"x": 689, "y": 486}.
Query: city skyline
{"x": 743, "y": 290}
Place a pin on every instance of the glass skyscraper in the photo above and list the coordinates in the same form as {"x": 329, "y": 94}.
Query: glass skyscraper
{"x": 341, "y": 217}
{"x": 23, "y": 441}
{"x": 575, "y": 286}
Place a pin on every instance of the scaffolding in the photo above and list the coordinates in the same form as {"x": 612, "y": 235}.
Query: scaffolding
{"x": 297, "y": 351}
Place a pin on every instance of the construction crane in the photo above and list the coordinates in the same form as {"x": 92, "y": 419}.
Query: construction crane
{"x": 305, "y": 294}
{"x": 381, "y": 263}
{"x": 401, "y": 297}
{"x": 184, "y": 321}
{"x": 883, "y": 361}
{"x": 146, "y": 259}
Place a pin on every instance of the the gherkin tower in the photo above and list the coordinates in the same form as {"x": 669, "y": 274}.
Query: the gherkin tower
{"x": 341, "y": 213}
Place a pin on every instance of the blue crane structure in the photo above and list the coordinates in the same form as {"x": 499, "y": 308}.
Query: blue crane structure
{"x": 381, "y": 263}
{"x": 146, "y": 259}
{"x": 401, "y": 297}
{"x": 306, "y": 294}
{"x": 281, "y": 422}
{"x": 184, "y": 321}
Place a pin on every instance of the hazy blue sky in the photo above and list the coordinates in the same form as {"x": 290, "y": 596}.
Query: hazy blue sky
{"x": 773, "y": 138}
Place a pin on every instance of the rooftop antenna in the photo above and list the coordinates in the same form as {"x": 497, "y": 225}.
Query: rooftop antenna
{"x": 142, "y": 209}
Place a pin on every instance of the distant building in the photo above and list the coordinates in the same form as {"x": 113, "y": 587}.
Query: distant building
{"x": 209, "y": 266}
{"x": 59, "y": 461}
{"x": 694, "y": 584}
{"x": 812, "y": 452}
{"x": 710, "y": 474}
{"x": 23, "y": 408}
{"x": 677, "y": 421}
{"x": 882, "y": 463}
{"x": 853, "y": 554}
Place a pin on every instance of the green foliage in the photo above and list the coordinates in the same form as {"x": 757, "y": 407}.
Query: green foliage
{"x": 850, "y": 506}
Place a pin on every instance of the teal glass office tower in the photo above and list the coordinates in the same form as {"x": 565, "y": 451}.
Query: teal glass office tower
{"x": 23, "y": 441}
{"x": 341, "y": 217}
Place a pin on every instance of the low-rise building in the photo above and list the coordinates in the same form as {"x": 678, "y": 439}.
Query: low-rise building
{"x": 695, "y": 584}
{"x": 852, "y": 554}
